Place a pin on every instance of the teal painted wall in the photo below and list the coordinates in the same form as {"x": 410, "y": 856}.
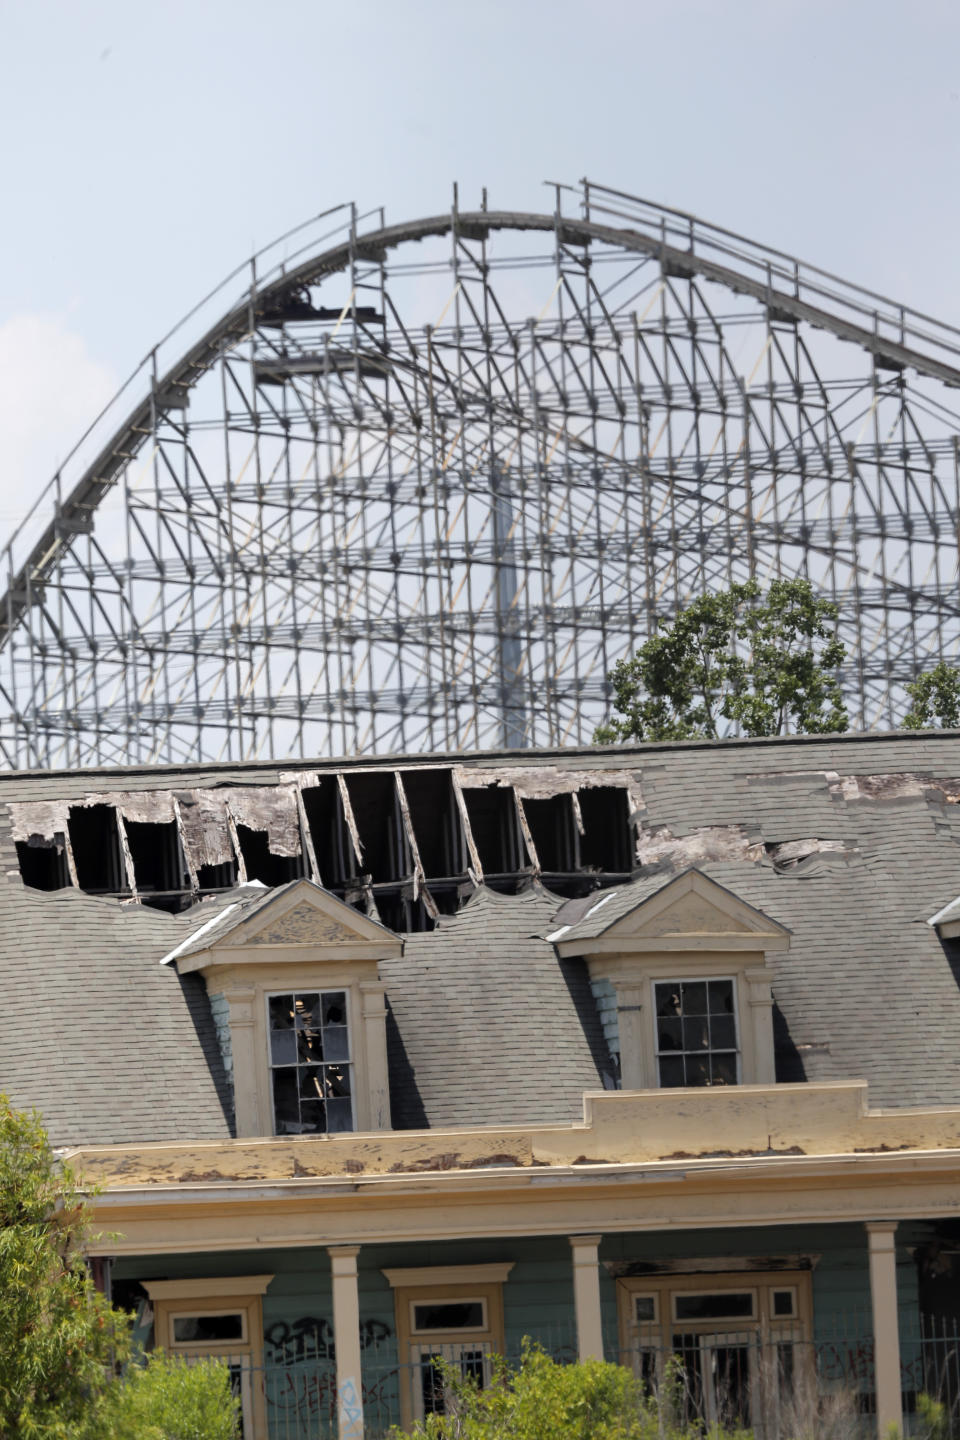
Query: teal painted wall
{"x": 538, "y": 1302}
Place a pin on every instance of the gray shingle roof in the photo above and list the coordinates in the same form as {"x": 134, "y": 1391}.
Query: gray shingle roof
{"x": 850, "y": 842}
{"x": 494, "y": 1029}
{"x": 108, "y": 1044}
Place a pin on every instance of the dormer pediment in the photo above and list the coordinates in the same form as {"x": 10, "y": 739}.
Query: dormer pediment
{"x": 302, "y": 923}
{"x": 689, "y": 912}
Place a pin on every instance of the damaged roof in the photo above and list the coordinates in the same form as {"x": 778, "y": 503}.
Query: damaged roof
{"x": 850, "y": 842}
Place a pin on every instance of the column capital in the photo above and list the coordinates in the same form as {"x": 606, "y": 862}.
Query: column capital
{"x": 586, "y": 1241}
{"x": 880, "y": 1227}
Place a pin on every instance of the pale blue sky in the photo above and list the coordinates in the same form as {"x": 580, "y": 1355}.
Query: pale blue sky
{"x": 147, "y": 147}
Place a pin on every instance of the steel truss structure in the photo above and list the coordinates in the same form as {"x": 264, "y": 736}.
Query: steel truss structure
{"x": 422, "y": 484}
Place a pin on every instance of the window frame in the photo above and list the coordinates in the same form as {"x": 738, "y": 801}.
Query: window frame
{"x": 655, "y": 982}
{"x": 205, "y": 1312}
{"x": 218, "y": 1295}
{"x": 712, "y": 1321}
{"x": 645, "y": 1345}
{"x": 438, "y": 1285}
{"x": 269, "y": 994}
{"x": 460, "y": 1330}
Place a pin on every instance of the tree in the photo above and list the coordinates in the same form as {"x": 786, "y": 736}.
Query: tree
{"x": 65, "y": 1352}
{"x": 765, "y": 663}
{"x": 936, "y": 699}
{"x": 60, "y": 1341}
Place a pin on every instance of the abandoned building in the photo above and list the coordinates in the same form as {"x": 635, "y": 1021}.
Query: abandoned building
{"x": 634, "y": 1051}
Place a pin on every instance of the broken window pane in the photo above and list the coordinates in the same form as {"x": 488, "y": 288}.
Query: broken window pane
{"x": 281, "y": 1012}
{"x": 694, "y": 998}
{"x": 334, "y": 1007}
{"x": 307, "y": 1032}
{"x": 309, "y": 1047}
{"x": 721, "y": 997}
{"x": 286, "y": 1102}
{"x": 313, "y": 1117}
{"x": 668, "y": 1000}
{"x": 337, "y": 1080}
{"x": 307, "y": 1012}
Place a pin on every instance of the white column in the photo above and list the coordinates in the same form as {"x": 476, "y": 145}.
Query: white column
{"x": 633, "y": 1071}
{"x": 375, "y": 1045}
{"x": 586, "y": 1296}
{"x": 346, "y": 1338}
{"x": 760, "y": 1002}
{"x": 243, "y": 1049}
{"x": 886, "y": 1332}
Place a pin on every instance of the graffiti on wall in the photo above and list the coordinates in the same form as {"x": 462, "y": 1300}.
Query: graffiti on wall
{"x": 310, "y": 1338}
{"x": 304, "y": 1391}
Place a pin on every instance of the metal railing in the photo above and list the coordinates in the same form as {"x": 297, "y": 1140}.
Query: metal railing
{"x": 780, "y": 1383}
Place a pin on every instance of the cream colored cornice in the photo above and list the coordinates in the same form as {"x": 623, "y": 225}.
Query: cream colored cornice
{"x": 494, "y": 1274}
{"x": 204, "y": 1289}
{"x": 608, "y": 1200}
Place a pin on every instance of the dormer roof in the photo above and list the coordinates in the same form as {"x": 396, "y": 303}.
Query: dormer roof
{"x": 300, "y": 917}
{"x": 680, "y": 912}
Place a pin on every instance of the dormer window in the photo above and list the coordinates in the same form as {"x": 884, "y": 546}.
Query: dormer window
{"x": 310, "y": 1066}
{"x": 696, "y": 1023}
{"x": 298, "y": 1005}
{"x": 684, "y": 992}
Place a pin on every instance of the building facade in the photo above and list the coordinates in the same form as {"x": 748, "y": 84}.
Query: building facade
{"x": 633, "y": 1052}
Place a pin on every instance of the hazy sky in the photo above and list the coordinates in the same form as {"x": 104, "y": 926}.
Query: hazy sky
{"x": 147, "y": 148}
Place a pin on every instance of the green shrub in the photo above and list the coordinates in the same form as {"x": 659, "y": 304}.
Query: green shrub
{"x": 167, "y": 1399}
{"x": 545, "y": 1400}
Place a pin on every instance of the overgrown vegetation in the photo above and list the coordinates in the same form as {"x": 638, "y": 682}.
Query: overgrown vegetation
{"x": 66, "y": 1370}
{"x": 167, "y": 1399}
{"x": 543, "y": 1399}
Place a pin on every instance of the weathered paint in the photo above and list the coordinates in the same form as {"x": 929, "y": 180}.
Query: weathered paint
{"x": 606, "y": 997}
{"x": 220, "y": 1014}
{"x": 822, "y": 1119}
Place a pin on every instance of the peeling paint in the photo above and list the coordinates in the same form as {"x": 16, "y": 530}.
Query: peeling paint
{"x": 272, "y": 808}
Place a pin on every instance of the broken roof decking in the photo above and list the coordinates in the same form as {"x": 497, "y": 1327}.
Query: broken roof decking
{"x": 850, "y": 842}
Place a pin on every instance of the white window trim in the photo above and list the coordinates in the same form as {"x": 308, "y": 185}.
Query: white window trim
{"x": 343, "y": 990}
